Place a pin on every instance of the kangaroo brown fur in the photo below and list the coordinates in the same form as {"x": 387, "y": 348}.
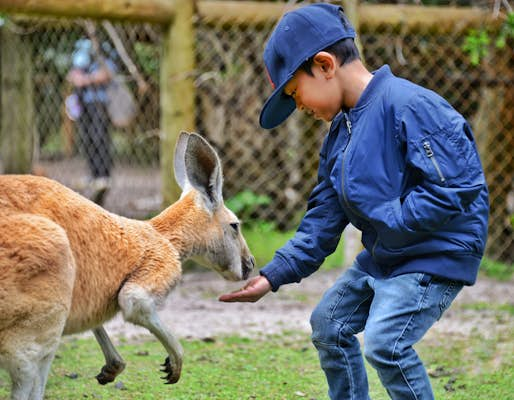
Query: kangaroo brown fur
{"x": 67, "y": 265}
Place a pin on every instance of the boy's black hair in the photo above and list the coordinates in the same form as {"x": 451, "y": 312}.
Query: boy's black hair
{"x": 345, "y": 50}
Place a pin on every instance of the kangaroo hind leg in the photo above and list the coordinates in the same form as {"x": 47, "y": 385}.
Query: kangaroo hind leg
{"x": 37, "y": 274}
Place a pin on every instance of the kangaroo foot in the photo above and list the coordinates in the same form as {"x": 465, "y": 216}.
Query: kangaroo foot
{"x": 172, "y": 376}
{"x": 110, "y": 372}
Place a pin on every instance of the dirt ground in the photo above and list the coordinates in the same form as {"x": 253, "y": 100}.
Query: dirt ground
{"x": 193, "y": 311}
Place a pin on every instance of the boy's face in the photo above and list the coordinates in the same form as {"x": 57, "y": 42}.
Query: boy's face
{"x": 318, "y": 94}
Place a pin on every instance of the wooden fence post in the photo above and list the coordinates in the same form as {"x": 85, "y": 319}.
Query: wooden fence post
{"x": 493, "y": 125}
{"x": 17, "y": 132}
{"x": 177, "y": 90}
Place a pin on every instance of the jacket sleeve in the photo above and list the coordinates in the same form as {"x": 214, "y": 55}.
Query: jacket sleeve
{"x": 442, "y": 154}
{"x": 317, "y": 236}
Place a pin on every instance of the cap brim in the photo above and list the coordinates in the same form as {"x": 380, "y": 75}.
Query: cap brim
{"x": 277, "y": 108}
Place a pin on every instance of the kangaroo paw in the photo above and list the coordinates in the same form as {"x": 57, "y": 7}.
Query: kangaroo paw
{"x": 109, "y": 373}
{"x": 172, "y": 376}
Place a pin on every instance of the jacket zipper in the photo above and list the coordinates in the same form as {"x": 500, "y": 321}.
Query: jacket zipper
{"x": 349, "y": 128}
{"x": 430, "y": 154}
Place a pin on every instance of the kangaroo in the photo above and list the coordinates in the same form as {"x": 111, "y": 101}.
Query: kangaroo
{"x": 67, "y": 265}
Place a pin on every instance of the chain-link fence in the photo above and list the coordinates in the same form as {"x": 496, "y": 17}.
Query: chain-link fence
{"x": 73, "y": 136}
{"x": 231, "y": 86}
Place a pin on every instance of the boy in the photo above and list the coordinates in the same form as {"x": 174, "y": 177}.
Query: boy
{"x": 400, "y": 164}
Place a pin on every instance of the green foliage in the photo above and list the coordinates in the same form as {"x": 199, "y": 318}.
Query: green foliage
{"x": 245, "y": 203}
{"x": 476, "y": 45}
{"x": 507, "y": 31}
{"x": 51, "y": 148}
{"x": 148, "y": 58}
{"x": 477, "y": 42}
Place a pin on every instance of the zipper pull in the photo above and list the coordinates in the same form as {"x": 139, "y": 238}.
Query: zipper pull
{"x": 348, "y": 123}
{"x": 428, "y": 149}
{"x": 430, "y": 154}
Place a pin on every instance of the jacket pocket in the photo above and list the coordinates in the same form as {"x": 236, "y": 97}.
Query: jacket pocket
{"x": 432, "y": 157}
{"x": 443, "y": 156}
{"x": 391, "y": 229}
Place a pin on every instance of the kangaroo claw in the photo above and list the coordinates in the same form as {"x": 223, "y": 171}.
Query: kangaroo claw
{"x": 109, "y": 373}
{"x": 171, "y": 377}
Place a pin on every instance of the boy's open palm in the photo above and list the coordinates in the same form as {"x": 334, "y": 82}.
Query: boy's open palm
{"x": 251, "y": 292}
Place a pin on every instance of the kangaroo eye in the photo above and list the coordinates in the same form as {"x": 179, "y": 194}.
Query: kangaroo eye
{"x": 235, "y": 226}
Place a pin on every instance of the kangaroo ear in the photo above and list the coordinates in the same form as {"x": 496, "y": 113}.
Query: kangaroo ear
{"x": 203, "y": 169}
{"x": 179, "y": 163}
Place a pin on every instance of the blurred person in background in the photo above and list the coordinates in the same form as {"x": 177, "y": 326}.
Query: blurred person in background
{"x": 90, "y": 76}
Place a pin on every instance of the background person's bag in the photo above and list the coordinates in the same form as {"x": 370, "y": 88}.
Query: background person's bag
{"x": 121, "y": 105}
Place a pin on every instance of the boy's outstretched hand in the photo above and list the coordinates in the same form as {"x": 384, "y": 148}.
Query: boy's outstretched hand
{"x": 251, "y": 292}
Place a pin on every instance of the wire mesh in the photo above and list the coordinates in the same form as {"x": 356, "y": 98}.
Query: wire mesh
{"x": 231, "y": 87}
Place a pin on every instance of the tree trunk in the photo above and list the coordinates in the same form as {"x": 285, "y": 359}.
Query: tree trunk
{"x": 17, "y": 132}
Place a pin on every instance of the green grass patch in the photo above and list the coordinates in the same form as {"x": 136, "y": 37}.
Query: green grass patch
{"x": 481, "y": 305}
{"x": 269, "y": 368}
{"x": 497, "y": 270}
{"x": 229, "y": 368}
{"x": 477, "y": 368}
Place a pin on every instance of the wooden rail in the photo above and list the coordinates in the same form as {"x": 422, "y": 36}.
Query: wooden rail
{"x": 443, "y": 18}
{"x": 162, "y": 11}
{"x": 157, "y": 11}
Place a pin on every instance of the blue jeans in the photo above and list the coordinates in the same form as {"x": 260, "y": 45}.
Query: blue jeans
{"x": 394, "y": 313}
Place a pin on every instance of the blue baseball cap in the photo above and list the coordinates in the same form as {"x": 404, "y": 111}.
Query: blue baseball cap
{"x": 299, "y": 35}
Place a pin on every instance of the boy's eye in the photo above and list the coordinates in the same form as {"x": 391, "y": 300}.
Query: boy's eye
{"x": 293, "y": 94}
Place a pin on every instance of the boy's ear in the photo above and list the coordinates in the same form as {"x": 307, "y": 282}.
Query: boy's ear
{"x": 327, "y": 63}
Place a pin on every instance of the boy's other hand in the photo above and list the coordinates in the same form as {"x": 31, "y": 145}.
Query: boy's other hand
{"x": 251, "y": 292}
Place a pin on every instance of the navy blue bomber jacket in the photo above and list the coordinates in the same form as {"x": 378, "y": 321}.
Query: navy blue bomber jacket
{"x": 401, "y": 166}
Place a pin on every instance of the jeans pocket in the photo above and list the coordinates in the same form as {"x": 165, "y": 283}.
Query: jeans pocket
{"x": 451, "y": 291}
{"x": 425, "y": 279}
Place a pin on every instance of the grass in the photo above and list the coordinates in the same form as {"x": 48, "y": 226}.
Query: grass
{"x": 227, "y": 368}
{"x": 264, "y": 242}
{"x": 496, "y": 269}
{"x": 479, "y": 368}
{"x": 270, "y": 368}
{"x": 503, "y": 309}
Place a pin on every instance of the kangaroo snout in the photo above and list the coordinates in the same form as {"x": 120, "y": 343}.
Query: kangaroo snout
{"x": 248, "y": 263}
{"x": 238, "y": 272}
